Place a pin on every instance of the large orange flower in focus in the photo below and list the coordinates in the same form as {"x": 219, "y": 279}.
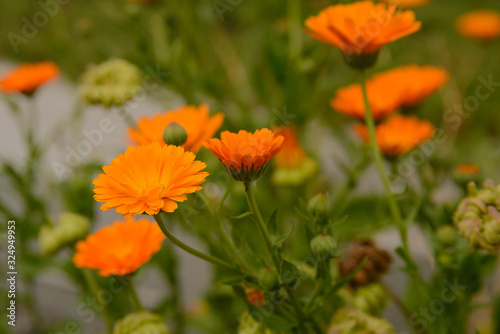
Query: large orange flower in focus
{"x": 119, "y": 249}
{"x": 399, "y": 134}
{"x": 195, "y": 120}
{"x": 246, "y": 155}
{"x": 361, "y": 28}
{"x": 28, "y": 77}
{"x": 404, "y": 86}
{"x": 479, "y": 24}
{"x": 149, "y": 179}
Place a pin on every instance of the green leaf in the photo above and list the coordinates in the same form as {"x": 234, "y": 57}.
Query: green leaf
{"x": 271, "y": 222}
{"x": 289, "y": 273}
{"x": 243, "y": 215}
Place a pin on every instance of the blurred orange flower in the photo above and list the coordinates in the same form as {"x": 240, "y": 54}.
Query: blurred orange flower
{"x": 467, "y": 169}
{"x": 195, "y": 120}
{"x": 245, "y": 155}
{"x": 293, "y": 164}
{"x": 28, "y": 77}
{"x": 147, "y": 179}
{"x": 405, "y": 86}
{"x": 407, "y": 3}
{"x": 255, "y": 297}
{"x": 119, "y": 249}
{"x": 361, "y": 28}
{"x": 399, "y": 134}
{"x": 480, "y": 24}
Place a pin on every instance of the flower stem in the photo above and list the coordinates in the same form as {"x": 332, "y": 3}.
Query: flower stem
{"x": 134, "y": 296}
{"x": 226, "y": 239}
{"x": 94, "y": 288}
{"x": 209, "y": 258}
{"x": 261, "y": 226}
{"x": 377, "y": 156}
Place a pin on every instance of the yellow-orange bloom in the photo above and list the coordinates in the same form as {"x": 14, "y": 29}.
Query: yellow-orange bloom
{"x": 293, "y": 164}
{"x": 407, "y": 3}
{"x": 245, "y": 155}
{"x": 147, "y": 179}
{"x": 480, "y": 24}
{"x": 399, "y": 134}
{"x": 195, "y": 120}
{"x": 119, "y": 249}
{"x": 361, "y": 28}
{"x": 467, "y": 169}
{"x": 28, "y": 77}
{"x": 404, "y": 86}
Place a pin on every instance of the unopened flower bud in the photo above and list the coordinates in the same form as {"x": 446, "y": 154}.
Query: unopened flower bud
{"x": 141, "y": 323}
{"x": 446, "y": 235}
{"x": 323, "y": 245}
{"x": 175, "y": 134}
{"x": 268, "y": 278}
{"x": 319, "y": 207}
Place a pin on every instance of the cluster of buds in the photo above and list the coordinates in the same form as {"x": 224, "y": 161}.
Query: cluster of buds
{"x": 351, "y": 320}
{"x": 371, "y": 299}
{"x": 112, "y": 83}
{"x": 140, "y": 323}
{"x": 71, "y": 228}
{"x": 377, "y": 264}
{"x": 478, "y": 218}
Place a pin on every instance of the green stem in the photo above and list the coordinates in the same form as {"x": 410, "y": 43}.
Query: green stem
{"x": 261, "y": 226}
{"x": 393, "y": 206}
{"x": 134, "y": 296}
{"x": 226, "y": 239}
{"x": 95, "y": 288}
{"x": 209, "y": 258}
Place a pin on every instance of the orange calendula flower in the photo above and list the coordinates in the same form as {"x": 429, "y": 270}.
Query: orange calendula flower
{"x": 119, "y": 249}
{"x": 361, "y": 28}
{"x": 407, "y": 3}
{"x": 195, "y": 120}
{"x": 404, "y": 86}
{"x": 28, "y": 77}
{"x": 246, "y": 155}
{"x": 293, "y": 164}
{"x": 479, "y": 24}
{"x": 149, "y": 179}
{"x": 399, "y": 134}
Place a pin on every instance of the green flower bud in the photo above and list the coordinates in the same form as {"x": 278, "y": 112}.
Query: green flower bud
{"x": 349, "y": 320}
{"x": 371, "y": 299}
{"x": 175, "y": 134}
{"x": 268, "y": 279}
{"x": 112, "y": 83}
{"x": 477, "y": 217}
{"x": 446, "y": 235}
{"x": 294, "y": 176}
{"x": 323, "y": 245}
{"x": 319, "y": 207}
{"x": 141, "y": 323}
{"x": 70, "y": 228}
{"x": 248, "y": 325}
